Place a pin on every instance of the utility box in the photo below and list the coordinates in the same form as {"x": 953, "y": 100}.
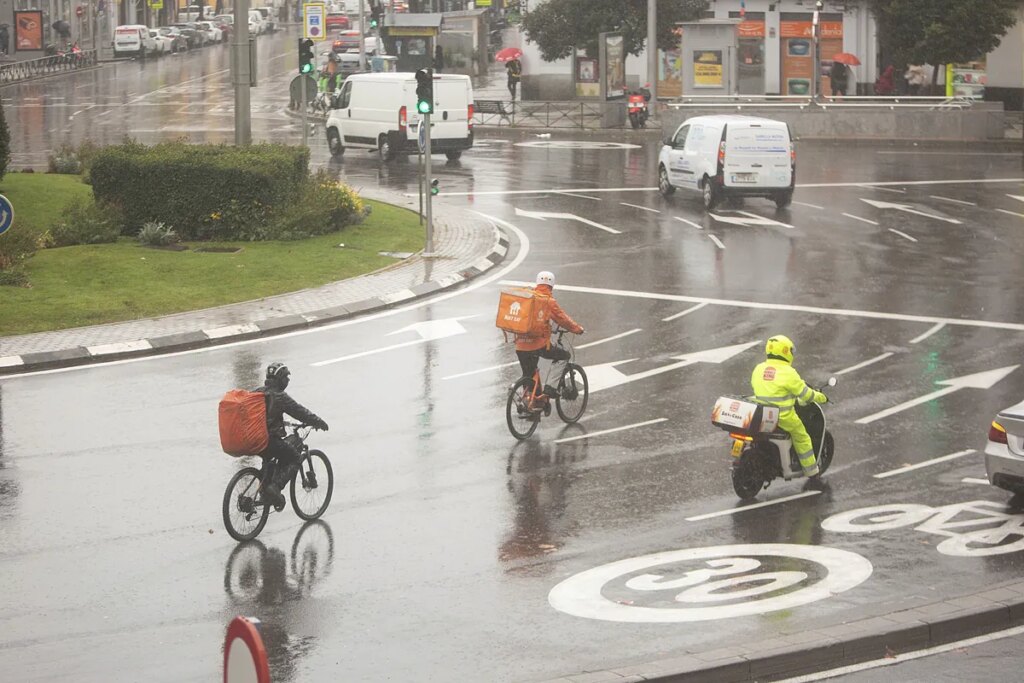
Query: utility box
{"x": 709, "y": 57}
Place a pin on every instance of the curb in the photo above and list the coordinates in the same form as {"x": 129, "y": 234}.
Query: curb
{"x": 812, "y": 651}
{"x": 183, "y": 341}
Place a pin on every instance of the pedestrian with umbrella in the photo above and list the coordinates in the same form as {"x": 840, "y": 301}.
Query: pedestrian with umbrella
{"x": 839, "y": 74}
{"x": 513, "y": 67}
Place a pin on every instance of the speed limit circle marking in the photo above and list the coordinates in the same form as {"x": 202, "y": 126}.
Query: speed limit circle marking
{"x": 704, "y": 584}
{"x": 577, "y": 144}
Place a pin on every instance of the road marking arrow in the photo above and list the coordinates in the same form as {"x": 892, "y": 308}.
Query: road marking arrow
{"x": 1018, "y": 197}
{"x": 607, "y": 375}
{"x": 542, "y": 215}
{"x": 979, "y": 380}
{"x": 429, "y": 330}
{"x": 751, "y": 219}
{"x": 908, "y": 209}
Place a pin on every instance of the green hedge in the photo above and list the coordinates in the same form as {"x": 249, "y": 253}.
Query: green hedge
{"x": 205, "y": 192}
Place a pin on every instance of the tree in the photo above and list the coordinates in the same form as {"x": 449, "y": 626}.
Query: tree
{"x": 941, "y": 31}
{"x": 558, "y": 26}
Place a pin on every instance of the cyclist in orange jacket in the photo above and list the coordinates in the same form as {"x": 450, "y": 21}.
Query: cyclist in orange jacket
{"x": 530, "y": 347}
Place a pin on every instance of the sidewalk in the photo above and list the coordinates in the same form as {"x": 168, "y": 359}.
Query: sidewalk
{"x": 465, "y": 246}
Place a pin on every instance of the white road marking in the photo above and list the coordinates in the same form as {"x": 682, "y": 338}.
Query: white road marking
{"x": 580, "y": 196}
{"x": 642, "y": 208}
{"x": 883, "y": 189}
{"x": 428, "y": 330}
{"x": 591, "y": 190}
{"x": 688, "y": 311}
{"x": 607, "y": 375}
{"x": 975, "y": 480}
{"x": 906, "y": 208}
{"x": 718, "y": 242}
{"x": 1018, "y": 197}
{"x": 858, "y": 218}
{"x": 757, "y": 305}
{"x": 119, "y": 347}
{"x": 610, "y": 431}
{"x": 902, "y": 234}
{"x": 979, "y": 380}
{"x": 683, "y": 220}
{"x": 926, "y": 463}
{"x": 1012, "y": 213}
{"x": 482, "y": 370}
{"x": 920, "y": 338}
{"x": 544, "y": 215}
{"x": 751, "y": 219}
{"x": 608, "y": 339}
{"x": 11, "y": 361}
{"x": 813, "y": 206}
{"x": 950, "y": 199}
{"x": 970, "y": 181}
{"x": 866, "y": 363}
{"x": 744, "y": 508}
{"x": 524, "y": 251}
{"x": 906, "y": 657}
{"x": 951, "y": 153}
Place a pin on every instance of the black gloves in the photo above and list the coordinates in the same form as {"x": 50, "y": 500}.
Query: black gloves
{"x": 321, "y": 425}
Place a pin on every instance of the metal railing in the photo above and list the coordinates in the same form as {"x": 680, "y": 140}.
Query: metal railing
{"x": 546, "y": 115}
{"x": 45, "y": 66}
{"x": 740, "y": 102}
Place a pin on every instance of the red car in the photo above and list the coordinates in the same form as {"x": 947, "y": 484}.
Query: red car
{"x": 336, "y": 21}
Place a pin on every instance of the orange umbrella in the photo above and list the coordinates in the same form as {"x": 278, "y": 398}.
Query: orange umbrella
{"x": 846, "y": 58}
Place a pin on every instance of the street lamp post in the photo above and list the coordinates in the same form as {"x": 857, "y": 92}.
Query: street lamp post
{"x": 652, "y": 54}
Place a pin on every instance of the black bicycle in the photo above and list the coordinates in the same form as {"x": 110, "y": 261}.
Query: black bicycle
{"x": 527, "y": 401}
{"x": 245, "y": 508}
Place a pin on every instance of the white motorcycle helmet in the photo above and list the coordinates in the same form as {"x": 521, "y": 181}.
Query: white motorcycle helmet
{"x": 546, "y": 277}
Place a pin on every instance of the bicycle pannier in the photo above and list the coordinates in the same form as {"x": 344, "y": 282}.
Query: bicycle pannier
{"x": 523, "y": 311}
{"x": 242, "y": 416}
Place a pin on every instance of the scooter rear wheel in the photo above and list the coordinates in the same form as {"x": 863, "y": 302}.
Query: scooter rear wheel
{"x": 747, "y": 481}
{"x": 828, "y": 449}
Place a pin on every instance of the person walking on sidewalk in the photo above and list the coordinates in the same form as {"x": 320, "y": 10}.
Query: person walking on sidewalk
{"x": 515, "y": 72}
{"x": 5, "y": 39}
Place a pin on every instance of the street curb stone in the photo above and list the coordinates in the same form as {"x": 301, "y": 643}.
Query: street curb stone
{"x": 806, "y": 652}
{"x": 265, "y": 327}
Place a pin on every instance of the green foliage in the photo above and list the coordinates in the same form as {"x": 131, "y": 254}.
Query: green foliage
{"x": 70, "y": 160}
{"x": 557, "y": 26}
{"x": 16, "y": 245}
{"x": 941, "y": 31}
{"x": 326, "y": 206}
{"x": 157, "y": 235}
{"x": 5, "y": 144}
{"x": 85, "y": 222}
{"x": 207, "y": 192}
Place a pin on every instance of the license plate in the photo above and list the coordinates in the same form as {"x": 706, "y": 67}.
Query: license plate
{"x": 744, "y": 177}
{"x": 737, "y": 448}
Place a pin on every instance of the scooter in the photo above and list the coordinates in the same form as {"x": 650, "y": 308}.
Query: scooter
{"x": 636, "y": 107}
{"x": 759, "y": 444}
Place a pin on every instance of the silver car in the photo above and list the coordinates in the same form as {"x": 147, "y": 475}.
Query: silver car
{"x": 1004, "y": 453}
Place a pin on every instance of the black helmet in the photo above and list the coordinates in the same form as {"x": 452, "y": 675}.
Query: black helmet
{"x": 278, "y": 374}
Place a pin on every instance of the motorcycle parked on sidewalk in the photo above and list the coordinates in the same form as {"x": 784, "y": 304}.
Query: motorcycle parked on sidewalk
{"x": 636, "y": 107}
{"x": 759, "y": 445}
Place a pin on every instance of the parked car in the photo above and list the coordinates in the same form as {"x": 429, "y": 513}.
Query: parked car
{"x": 180, "y": 42}
{"x": 191, "y": 13}
{"x": 212, "y": 32}
{"x": 1004, "y": 453}
{"x": 195, "y": 37}
{"x": 345, "y": 41}
{"x": 256, "y": 24}
{"x": 132, "y": 39}
{"x": 164, "y": 44}
{"x": 725, "y": 156}
{"x": 336, "y": 21}
{"x": 269, "y": 23}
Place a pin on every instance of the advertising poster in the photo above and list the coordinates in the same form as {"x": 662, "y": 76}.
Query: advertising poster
{"x": 670, "y": 73}
{"x": 587, "y": 80}
{"x": 28, "y": 30}
{"x": 615, "y": 66}
{"x": 707, "y": 69}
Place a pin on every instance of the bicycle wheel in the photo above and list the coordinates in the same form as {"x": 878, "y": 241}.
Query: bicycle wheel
{"x": 573, "y": 393}
{"x": 521, "y": 422}
{"x": 312, "y": 486}
{"x": 244, "y": 511}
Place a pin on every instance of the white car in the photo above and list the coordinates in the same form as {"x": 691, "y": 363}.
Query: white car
{"x": 256, "y": 24}
{"x": 1004, "y": 453}
{"x": 164, "y": 44}
{"x": 133, "y": 39}
{"x": 268, "y": 14}
{"x": 213, "y": 34}
{"x": 729, "y": 156}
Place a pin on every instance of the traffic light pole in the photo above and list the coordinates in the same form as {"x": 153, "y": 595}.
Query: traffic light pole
{"x": 362, "y": 35}
{"x": 240, "y": 73}
{"x": 305, "y": 109}
{"x": 429, "y": 250}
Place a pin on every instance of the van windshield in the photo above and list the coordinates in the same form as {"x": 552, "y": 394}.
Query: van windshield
{"x": 757, "y": 141}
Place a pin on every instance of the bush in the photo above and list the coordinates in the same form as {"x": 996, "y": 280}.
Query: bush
{"x": 209, "y": 192}
{"x": 325, "y": 206}
{"x": 85, "y": 222}
{"x": 5, "y": 144}
{"x": 16, "y": 245}
{"x": 157, "y": 235}
{"x": 71, "y": 160}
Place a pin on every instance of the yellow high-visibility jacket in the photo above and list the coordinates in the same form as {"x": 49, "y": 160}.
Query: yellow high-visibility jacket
{"x": 777, "y": 383}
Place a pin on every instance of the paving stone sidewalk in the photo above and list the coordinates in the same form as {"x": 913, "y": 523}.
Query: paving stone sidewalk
{"x": 465, "y": 245}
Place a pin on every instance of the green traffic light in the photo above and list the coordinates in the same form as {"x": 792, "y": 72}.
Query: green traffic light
{"x": 306, "y": 68}
{"x": 423, "y": 107}
{"x": 373, "y": 23}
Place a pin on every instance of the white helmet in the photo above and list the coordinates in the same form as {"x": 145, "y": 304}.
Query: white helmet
{"x": 546, "y": 277}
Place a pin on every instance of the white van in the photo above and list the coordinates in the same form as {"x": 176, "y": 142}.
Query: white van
{"x": 729, "y": 156}
{"x": 132, "y": 39}
{"x": 378, "y": 111}
{"x": 256, "y": 24}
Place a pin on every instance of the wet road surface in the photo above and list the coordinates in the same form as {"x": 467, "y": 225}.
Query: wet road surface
{"x": 445, "y": 536}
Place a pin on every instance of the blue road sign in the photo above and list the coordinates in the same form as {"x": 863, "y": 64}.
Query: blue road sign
{"x": 6, "y": 214}
{"x": 423, "y": 136}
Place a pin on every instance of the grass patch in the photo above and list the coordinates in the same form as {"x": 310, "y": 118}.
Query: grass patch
{"x": 39, "y": 198}
{"x": 89, "y": 285}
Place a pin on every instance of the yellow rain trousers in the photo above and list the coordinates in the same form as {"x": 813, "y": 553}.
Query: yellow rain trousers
{"x": 777, "y": 383}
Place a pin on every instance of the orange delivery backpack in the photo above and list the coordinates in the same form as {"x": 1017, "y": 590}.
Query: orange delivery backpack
{"x": 523, "y": 312}
{"x": 242, "y": 416}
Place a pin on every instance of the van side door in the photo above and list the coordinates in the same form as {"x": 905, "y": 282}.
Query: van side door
{"x": 676, "y": 160}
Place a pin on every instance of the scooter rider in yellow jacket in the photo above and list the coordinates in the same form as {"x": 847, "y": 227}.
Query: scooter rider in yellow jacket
{"x": 776, "y": 382}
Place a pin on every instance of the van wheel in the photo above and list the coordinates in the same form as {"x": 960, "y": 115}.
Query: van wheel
{"x": 664, "y": 186}
{"x": 453, "y": 155}
{"x": 784, "y": 199}
{"x": 384, "y": 148}
{"x": 334, "y": 142}
{"x": 710, "y": 195}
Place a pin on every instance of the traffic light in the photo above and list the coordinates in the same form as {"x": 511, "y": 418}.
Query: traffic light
{"x": 425, "y": 91}
{"x": 375, "y": 12}
{"x": 434, "y": 189}
{"x": 305, "y": 56}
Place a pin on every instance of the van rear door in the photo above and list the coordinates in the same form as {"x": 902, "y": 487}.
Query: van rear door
{"x": 758, "y": 155}
{"x": 452, "y": 98}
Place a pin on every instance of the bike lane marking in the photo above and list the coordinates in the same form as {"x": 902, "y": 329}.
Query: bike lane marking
{"x": 926, "y": 463}
{"x": 866, "y": 363}
{"x": 718, "y": 242}
{"x": 744, "y": 508}
{"x": 902, "y": 234}
{"x": 688, "y": 222}
{"x": 1011, "y": 213}
{"x": 921, "y": 337}
{"x": 608, "y": 339}
{"x": 688, "y": 311}
{"x": 611, "y": 431}
{"x": 481, "y": 370}
{"x": 863, "y": 220}
{"x": 637, "y": 206}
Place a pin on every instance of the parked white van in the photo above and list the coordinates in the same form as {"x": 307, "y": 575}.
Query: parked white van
{"x": 378, "y": 111}
{"x": 729, "y": 156}
{"x": 132, "y": 39}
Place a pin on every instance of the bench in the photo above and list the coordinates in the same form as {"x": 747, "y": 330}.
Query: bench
{"x": 496, "y": 107}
